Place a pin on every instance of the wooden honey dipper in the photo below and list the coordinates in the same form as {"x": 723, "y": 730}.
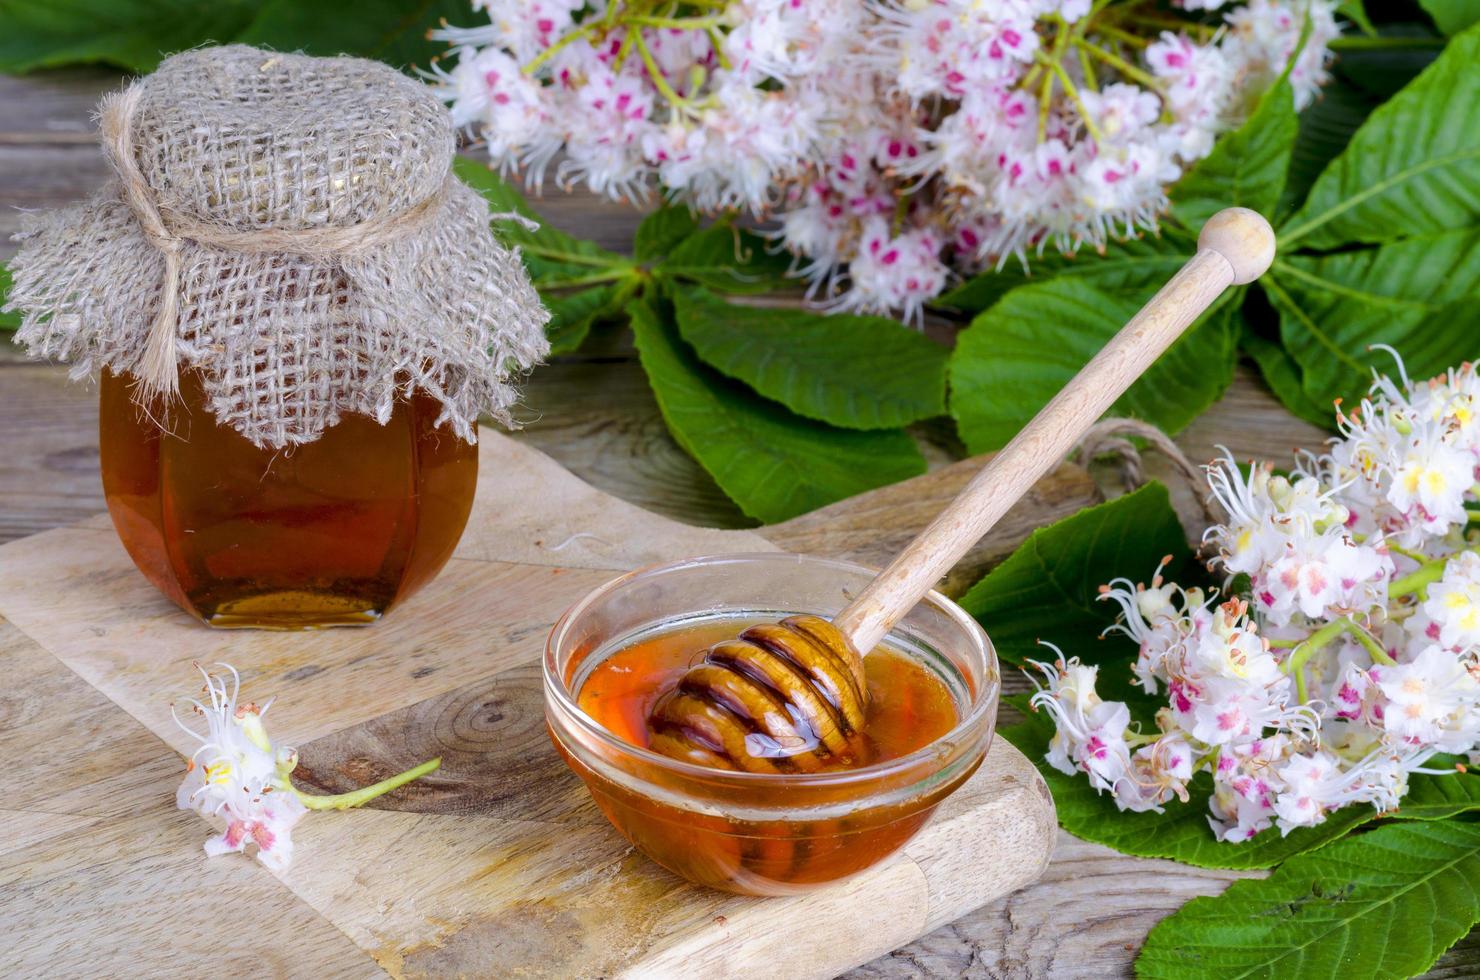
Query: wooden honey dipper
{"x": 791, "y": 697}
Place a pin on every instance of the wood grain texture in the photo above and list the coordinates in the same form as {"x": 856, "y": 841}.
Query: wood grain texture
{"x": 502, "y": 840}
{"x": 97, "y": 867}
{"x": 562, "y": 895}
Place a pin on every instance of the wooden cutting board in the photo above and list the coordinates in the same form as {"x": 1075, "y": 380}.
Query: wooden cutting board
{"x": 498, "y": 864}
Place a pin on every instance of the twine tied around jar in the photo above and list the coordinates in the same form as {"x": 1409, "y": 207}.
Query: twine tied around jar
{"x": 157, "y": 371}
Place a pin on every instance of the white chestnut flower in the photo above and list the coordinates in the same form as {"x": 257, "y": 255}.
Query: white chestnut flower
{"x": 239, "y": 780}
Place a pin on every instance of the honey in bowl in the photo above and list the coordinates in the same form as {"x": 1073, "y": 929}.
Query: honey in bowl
{"x": 770, "y": 845}
{"x": 907, "y": 708}
{"x": 933, "y": 687}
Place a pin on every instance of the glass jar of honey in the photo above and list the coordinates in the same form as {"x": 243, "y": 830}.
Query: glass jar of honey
{"x": 933, "y": 690}
{"x": 329, "y": 533}
{"x": 299, "y": 315}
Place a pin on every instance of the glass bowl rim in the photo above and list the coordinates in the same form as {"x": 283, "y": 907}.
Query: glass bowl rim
{"x": 986, "y": 699}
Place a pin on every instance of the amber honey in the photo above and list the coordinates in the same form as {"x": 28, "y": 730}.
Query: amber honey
{"x": 331, "y": 532}
{"x": 841, "y": 829}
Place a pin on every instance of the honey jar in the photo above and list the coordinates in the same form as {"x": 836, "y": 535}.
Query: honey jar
{"x": 933, "y": 690}
{"x": 298, "y": 315}
{"x": 331, "y": 534}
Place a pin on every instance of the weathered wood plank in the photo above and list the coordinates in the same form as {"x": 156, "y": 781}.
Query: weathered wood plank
{"x": 101, "y": 874}
{"x": 48, "y": 450}
{"x": 501, "y": 839}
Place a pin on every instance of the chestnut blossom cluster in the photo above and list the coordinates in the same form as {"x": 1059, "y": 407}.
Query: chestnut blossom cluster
{"x": 893, "y": 143}
{"x": 1349, "y": 655}
{"x": 238, "y": 779}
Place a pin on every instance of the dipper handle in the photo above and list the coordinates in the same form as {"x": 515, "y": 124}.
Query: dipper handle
{"x": 1236, "y": 246}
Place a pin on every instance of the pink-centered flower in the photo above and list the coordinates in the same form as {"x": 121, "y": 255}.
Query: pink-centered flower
{"x": 1353, "y": 657}
{"x": 971, "y": 119}
{"x": 239, "y": 780}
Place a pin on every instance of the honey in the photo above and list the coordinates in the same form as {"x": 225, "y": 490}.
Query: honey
{"x": 908, "y": 708}
{"x": 839, "y": 831}
{"x": 331, "y": 532}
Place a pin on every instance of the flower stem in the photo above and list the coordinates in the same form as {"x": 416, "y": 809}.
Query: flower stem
{"x": 1045, "y": 93}
{"x": 1313, "y": 643}
{"x": 1125, "y": 36}
{"x": 612, "y": 275}
{"x": 1419, "y": 579}
{"x": 358, "y": 797}
{"x": 545, "y": 55}
{"x": 1295, "y": 664}
{"x": 1374, "y": 648}
{"x": 1120, "y": 64}
{"x": 1417, "y": 556}
{"x": 1088, "y": 67}
{"x": 659, "y": 82}
{"x": 717, "y": 42}
{"x": 1094, "y": 131}
{"x": 678, "y": 23}
{"x": 623, "y": 52}
{"x": 901, "y": 210}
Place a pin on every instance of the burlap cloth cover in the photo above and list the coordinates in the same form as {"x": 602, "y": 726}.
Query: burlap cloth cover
{"x": 325, "y": 259}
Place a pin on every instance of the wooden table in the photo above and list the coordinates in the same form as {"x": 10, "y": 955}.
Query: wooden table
{"x": 594, "y": 414}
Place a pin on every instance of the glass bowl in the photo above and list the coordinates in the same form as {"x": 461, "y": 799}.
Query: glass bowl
{"x": 762, "y": 833}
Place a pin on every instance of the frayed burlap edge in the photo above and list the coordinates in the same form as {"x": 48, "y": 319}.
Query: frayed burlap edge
{"x": 284, "y": 342}
{"x": 451, "y": 313}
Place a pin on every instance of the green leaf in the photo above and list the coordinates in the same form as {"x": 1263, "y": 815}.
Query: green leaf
{"x": 137, "y": 34}
{"x": 1017, "y": 355}
{"x": 132, "y": 34}
{"x": 858, "y": 372}
{"x": 1410, "y": 169}
{"x": 1325, "y": 128}
{"x": 572, "y": 315}
{"x": 662, "y": 230}
{"x": 1452, "y": 16}
{"x": 1136, "y": 260}
{"x": 1247, "y": 166}
{"x": 1182, "y": 832}
{"x": 727, "y": 259}
{"x": 554, "y": 258}
{"x": 1048, "y": 588}
{"x": 1356, "y": 12}
{"x": 1380, "y": 904}
{"x": 1382, "y": 65}
{"x": 8, "y": 321}
{"x": 1282, "y": 375}
{"x": 1415, "y": 295}
{"x": 1439, "y": 797}
{"x": 393, "y": 31}
{"x": 772, "y": 463}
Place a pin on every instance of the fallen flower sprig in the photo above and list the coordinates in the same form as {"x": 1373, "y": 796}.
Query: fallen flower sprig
{"x": 238, "y": 776}
{"x": 1353, "y": 660}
